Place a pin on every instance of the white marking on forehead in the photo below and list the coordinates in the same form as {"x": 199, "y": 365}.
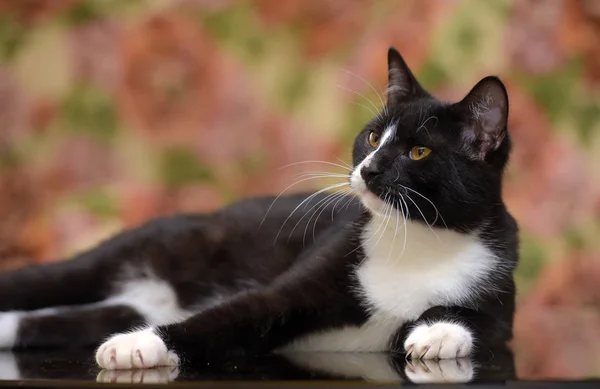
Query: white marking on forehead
{"x": 388, "y": 133}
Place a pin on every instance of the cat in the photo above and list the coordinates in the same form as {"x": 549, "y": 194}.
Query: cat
{"x": 421, "y": 265}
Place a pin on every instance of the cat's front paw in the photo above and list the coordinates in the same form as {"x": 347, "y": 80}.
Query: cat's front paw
{"x": 441, "y": 340}
{"x": 135, "y": 350}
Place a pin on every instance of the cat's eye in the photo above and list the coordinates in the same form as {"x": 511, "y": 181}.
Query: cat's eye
{"x": 374, "y": 139}
{"x": 419, "y": 152}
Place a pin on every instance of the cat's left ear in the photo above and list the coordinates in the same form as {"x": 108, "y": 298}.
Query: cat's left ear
{"x": 485, "y": 115}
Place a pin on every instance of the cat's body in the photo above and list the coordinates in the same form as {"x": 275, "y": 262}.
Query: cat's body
{"x": 423, "y": 266}
{"x": 160, "y": 272}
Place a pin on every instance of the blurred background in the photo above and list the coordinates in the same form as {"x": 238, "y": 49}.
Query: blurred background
{"x": 113, "y": 112}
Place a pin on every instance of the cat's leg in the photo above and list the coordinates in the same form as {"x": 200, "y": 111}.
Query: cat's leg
{"x": 39, "y": 304}
{"x": 135, "y": 302}
{"x": 250, "y": 323}
{"x": 254, "y": 322}
{"x": 77, "y": 326}
{"x": 456, "y": 332}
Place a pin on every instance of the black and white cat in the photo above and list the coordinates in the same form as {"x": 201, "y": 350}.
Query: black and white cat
{"x": 422, "y": 266}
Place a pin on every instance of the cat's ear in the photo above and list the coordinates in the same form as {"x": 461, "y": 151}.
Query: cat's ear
{"x": 402, "y": 84}
{"x": 485, "y": 114}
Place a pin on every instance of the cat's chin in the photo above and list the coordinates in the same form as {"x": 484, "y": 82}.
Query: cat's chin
{"x": 374, "y": 204}
{"x": 371, "y": 201}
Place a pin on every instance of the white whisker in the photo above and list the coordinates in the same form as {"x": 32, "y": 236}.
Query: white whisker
{"x": 422, "y": 126}
{"x": 346, "y": 193}
{"x": 311, "y": 208}
{"x": 281, "y": 194}
{"x": 315, "y": 161}
{"x": 349, "y": 201}
{"x": 306, "y": 200}
{"x": 321, "y": 203}
{"x": 385, "y": 206}
{"x": 424, "y": 218}
{"x": 368, "y": 83}
{"x": 363, "y": 96}
{"x": 365, "y": 107}
{"x": 437, "y": 212}
{"x": 387, "y": 221}
{"x": 405, "y": 225}
{"x": 340, "y": 195}
{"x": 345, "y": 163}
{"x": 317, "y": 204}
{"x": 322, "y": 175}
{"x": 394, "y": 237}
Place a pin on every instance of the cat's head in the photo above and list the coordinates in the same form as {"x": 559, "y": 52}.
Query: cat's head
{"x": 433, "y": 160}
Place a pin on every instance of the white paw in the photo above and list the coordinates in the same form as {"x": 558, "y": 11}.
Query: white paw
{"x": 157, "y": 375}
{"x": 438, "y": 341}
{"x": 439, "y": 372}
{"x": 136, "y": 350}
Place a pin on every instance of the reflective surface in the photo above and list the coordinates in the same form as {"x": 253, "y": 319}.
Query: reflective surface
{"x": 494, "y": 367}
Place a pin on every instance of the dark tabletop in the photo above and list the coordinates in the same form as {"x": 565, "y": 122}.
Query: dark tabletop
{"x": 77, "y": 368}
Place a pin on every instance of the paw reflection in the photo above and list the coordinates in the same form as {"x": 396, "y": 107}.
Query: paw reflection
{"x": 439, "y": 371}
{"x": 157, "y": 375}
{"x": 9, "y": 368}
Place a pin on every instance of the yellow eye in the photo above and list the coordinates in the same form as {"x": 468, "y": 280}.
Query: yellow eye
{"x": 419, "y": 152}
{"x": 374, "y": 139}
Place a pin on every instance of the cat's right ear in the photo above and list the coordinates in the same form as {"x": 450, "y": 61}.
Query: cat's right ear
{"x": 402, "y": 84}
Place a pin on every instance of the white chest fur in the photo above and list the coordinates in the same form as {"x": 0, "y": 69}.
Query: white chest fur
{"x": 400, "y": 279}
{"x": 403, "y": 278}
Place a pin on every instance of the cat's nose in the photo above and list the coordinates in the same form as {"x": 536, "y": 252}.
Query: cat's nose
{"x": 369, "y": 172}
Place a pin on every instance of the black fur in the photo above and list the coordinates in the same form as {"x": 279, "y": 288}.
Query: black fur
{"x": 280, "y": 289}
